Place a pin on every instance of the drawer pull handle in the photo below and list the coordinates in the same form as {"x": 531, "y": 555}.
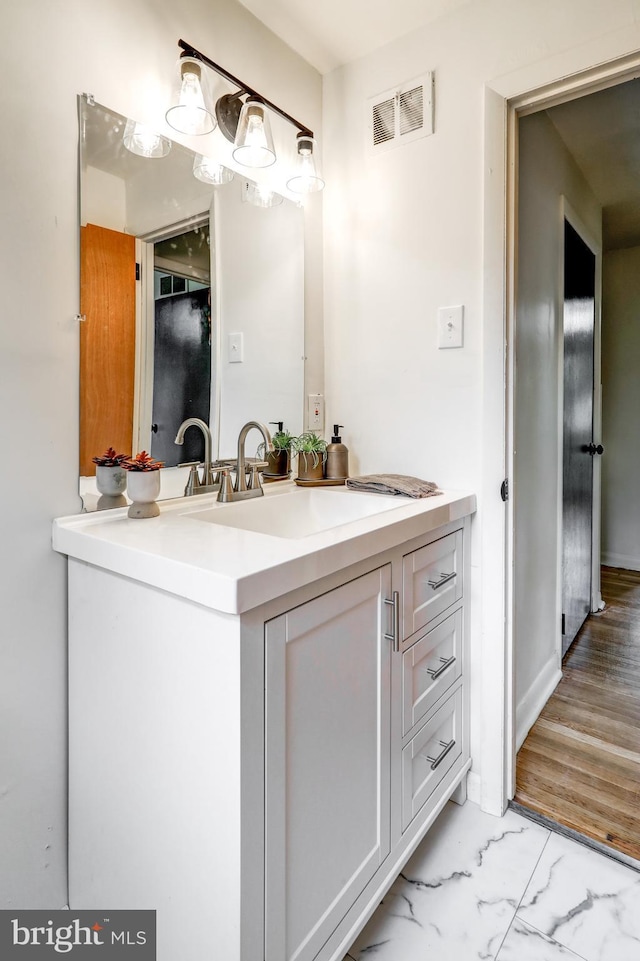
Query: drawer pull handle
{"x": 434, "y": 674}
{"x": 444, "y": 578}
{"x": 395, "y": 636}
{"x": 434, "y": 761}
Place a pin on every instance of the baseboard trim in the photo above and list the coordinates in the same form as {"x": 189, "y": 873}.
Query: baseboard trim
{"x": 620, "y": 560}
{"x": 474, "y": 787}
{"x": 529, "y": 707}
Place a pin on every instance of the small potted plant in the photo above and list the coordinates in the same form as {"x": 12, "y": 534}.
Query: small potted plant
{"x": 143, "y": 484}
{"x": 311, "y": 452}
{"x": 279, "y": 457}
{"x": 111, "y": 479}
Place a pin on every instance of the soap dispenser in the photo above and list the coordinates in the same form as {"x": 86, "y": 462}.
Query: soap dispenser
{"x": 337, "y": 463}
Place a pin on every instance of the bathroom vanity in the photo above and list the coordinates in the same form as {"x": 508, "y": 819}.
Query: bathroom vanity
{"x": 268, "y": 709}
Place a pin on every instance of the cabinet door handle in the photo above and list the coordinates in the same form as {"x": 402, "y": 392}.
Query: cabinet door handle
{"x": 434, "y": 761}
{"x": 394, "y": 602}
{"x": 435, "y": 673}
{"x": 444, "y": 578}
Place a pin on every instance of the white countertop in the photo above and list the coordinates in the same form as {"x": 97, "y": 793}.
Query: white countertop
{"x": 233, "y": 570}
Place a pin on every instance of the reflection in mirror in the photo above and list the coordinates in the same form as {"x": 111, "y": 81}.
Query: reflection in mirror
{"x": 193, "y": 306}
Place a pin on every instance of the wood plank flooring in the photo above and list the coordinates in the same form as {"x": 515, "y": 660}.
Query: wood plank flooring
{"x": 580, "y": 764}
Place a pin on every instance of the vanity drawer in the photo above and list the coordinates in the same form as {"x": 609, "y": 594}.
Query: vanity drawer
{"x": 430, "y": 755}
{"x": 431, "y": 581}
{"x": 429, "y": 668}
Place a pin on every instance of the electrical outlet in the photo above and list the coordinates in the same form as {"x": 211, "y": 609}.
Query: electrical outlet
{"x": 315, "y": 412}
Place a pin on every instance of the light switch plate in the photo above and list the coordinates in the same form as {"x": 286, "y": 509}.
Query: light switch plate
{"x": 450, "y": 327}
{"x": 235, "y": 348}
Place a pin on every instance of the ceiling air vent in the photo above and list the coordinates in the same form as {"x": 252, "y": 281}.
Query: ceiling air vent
{"x": 401, "y": 115}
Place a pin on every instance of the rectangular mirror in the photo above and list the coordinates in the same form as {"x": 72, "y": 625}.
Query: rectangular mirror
{"x": 193, "y": 306}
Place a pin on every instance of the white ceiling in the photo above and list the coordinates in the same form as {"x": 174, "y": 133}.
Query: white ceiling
{"x": 602, "y": 132}
{"x": 328, "y": 33}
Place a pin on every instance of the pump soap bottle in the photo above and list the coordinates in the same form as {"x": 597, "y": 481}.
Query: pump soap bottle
{"x": 337, "y": 463}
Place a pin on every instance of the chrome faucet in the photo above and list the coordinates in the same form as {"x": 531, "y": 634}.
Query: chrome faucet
{"x": 241, "y": 489}
{"x": 207, "y": 483}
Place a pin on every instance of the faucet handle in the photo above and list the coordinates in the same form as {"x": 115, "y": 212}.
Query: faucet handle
{"x": 254, "y": 480}
{"x": 226, "y": 487}
{"x": 193, "y": 484}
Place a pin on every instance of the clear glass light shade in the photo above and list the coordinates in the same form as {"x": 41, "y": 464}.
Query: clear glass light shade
{"x": 260, "y": 195}
{"x": 141, "y": 140}
{"x": 306, "y": 178}
{"x": 210, "y": 171}
{"x": 254, "y": 143}
{"x": 190, "y": 114}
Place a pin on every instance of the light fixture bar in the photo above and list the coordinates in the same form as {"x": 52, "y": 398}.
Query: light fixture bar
{"x": 192, "y": 52}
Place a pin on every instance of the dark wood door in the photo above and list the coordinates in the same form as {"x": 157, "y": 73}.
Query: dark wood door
{"x": 577, "y": 493}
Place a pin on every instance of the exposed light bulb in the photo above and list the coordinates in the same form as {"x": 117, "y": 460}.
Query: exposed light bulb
{"x": 254, "y": 143}
{"x": 210, "y": 171}
{"x": 190, "y": 115}
{"x": 306, "y": 179}
{"x": 260, "y": 195}
{"x": 141, "y": 140}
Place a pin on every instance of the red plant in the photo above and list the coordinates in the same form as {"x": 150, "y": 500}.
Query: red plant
{"x": 142, "y": 462}
{"x": 110, "y": 459}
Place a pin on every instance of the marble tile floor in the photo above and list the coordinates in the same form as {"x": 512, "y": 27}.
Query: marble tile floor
{"x": 504, "y": 889}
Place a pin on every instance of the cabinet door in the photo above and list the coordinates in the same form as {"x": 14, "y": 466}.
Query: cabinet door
{"x": 327, "y": 761}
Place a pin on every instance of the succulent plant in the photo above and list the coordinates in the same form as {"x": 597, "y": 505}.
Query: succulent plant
{"x": 311, "y": 444}
{"x": 110, "y": 459}
{"x": 142, "y": 462}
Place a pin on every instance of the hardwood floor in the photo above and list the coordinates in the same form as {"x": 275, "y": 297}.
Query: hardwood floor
{"x": 580, "y": 764}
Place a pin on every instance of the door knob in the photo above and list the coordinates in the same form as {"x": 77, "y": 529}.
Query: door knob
{"x": 594, "y": 449}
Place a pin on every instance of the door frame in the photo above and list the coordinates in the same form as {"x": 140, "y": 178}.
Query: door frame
{"x": 506, "y": 100}
{"x": 145, "y": 323}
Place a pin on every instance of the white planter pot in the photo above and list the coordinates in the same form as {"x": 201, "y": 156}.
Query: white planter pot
{"x": 111, "y": 480}
{"x": 143, "y": 487}
{"x": 111, "y": 483}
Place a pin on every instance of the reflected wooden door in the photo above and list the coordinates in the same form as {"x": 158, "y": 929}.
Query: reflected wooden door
{"x": 107, "y": 342}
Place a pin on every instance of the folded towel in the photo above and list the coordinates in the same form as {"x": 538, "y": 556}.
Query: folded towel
{"x": 394, "y": 484}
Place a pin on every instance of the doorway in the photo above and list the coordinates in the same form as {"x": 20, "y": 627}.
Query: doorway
{"x": 556, "y": 352}
{"x": 176, "y": 372}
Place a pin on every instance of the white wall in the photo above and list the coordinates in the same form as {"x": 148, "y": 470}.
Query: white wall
{"x": 404, "y": 235}
{"x": 104, "y": 200}
{"x": 547, "y": 172}
{"x": 260, "y": 260}
{"x": 124, "y": 54}
{"x": 620, "y": 404}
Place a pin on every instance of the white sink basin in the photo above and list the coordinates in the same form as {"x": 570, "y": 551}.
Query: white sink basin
{"x": 299, "y": 512}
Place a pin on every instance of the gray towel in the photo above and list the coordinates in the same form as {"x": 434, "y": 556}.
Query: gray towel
{"x": 394, "y": 484}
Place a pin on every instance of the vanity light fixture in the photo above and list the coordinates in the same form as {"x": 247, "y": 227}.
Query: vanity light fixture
{"x": 253, "y": 140}
{"x": 306, "y": 179}
{"x": 141, "y": 140}
{"x": 243, "y": 118}
{"x": 190, "y": 114}
{"x": 210, "y": 171}
{"x": 260, "y": 195}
